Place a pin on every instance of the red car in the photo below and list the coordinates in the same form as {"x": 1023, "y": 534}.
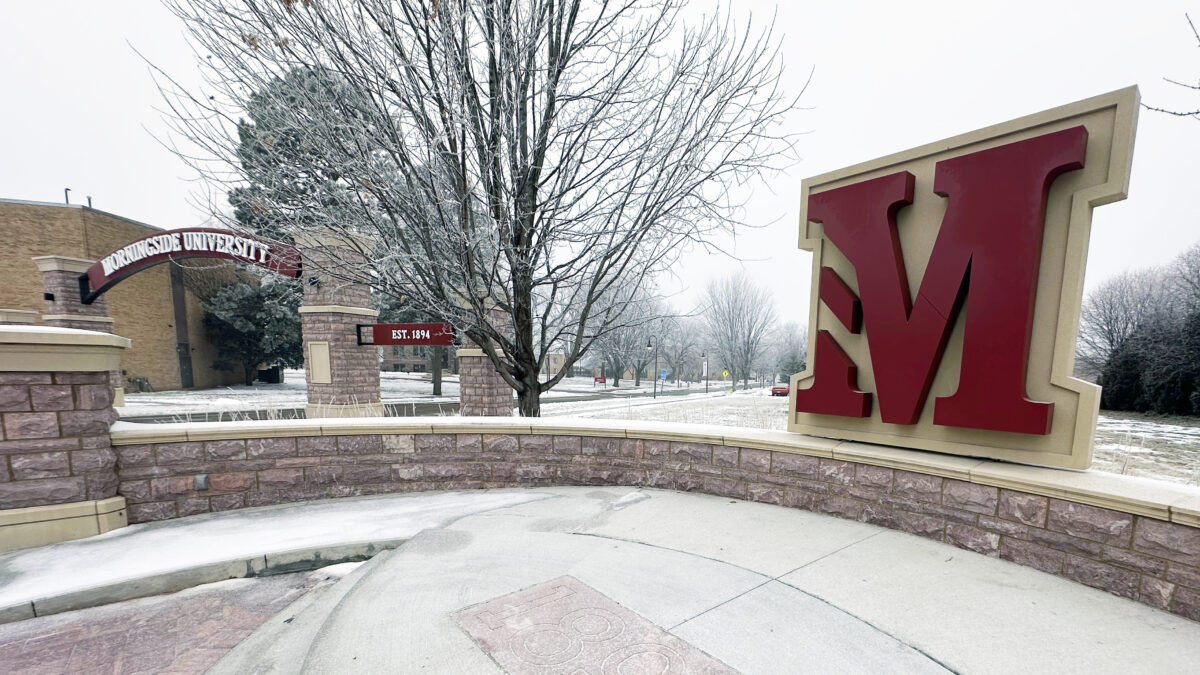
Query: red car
{"x": 779, "y": 390}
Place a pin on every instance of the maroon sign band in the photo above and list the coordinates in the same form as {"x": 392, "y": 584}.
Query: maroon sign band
{"x": 194, "y": 242}
{"x": 412, "y": 334}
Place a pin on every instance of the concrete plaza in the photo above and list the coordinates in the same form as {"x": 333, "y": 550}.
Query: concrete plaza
{"x": 625, "y": 580}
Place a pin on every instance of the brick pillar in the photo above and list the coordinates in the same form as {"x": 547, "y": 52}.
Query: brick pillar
{"x": 58, "y": 476}
{"x": 17, "y": 317}
{"x": 342, "y": 375}
{"x": 64, "y": 309}
{"x": 482, "y": 390}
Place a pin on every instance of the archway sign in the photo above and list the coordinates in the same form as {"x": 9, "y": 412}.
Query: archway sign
{"x": 194, "y": 242}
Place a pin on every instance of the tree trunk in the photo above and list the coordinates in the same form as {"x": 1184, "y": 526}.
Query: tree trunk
{"x": 529, "y": 402}
{"x": 435, "y": 367}
{"x": 616, "y": 375}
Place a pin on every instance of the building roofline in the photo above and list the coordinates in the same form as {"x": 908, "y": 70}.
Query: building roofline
{"x": 29, "y": 202}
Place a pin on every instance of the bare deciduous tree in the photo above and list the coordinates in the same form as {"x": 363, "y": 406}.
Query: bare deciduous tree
{"x": 789, "y": 349}
{"x": 1114, "y": 311}
{"x": 682, "y": 346}
{"x": 530, "y": 155}
{"x": 1184, "y": 277}
{"x": 738, "y": 317}
{"x": 1193, "y": 113}
{"x": 624, "y": 345}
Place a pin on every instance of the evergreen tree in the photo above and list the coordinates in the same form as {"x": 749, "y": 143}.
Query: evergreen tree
{"x": 1121, "y": 378}
{"x": 290, "y": 182}
{"x": 250, "y": 324}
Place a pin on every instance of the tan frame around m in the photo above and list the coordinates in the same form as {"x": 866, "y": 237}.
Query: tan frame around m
{"x": 1111, "y": 121}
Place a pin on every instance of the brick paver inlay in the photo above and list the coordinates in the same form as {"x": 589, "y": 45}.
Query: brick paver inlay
{"x": 565, "y": 626}
{"x": 181, "y": 634}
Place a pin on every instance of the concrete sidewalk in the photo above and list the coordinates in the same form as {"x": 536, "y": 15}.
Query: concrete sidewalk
{"x": 616, "y": 579}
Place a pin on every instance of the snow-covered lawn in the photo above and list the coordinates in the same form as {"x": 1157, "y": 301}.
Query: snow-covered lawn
{"x": 393, "y": 387}
{"x": 151, "y": 549}
{"x": 1136, "y": 446}
{"x": 753, "y": 408}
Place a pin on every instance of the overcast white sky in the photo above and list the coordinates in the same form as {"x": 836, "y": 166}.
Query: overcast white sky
{"x": 79, "y": 107}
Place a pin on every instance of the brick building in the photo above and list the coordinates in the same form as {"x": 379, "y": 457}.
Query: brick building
{"x": 158, "y": 309}
{"x": 414, "y": 359}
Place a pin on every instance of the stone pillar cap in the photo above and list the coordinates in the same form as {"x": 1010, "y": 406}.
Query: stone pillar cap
{"x": 463, "y": 302}
{"x": 324, "y": 237}
{"x": 53, "y": 349}
{"x": 55, "y": 263}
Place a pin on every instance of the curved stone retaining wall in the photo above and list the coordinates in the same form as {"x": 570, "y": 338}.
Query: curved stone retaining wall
{"x": 1135, "y": 538}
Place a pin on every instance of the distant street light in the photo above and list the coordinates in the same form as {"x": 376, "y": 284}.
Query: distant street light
{"x": 654, "y": 368}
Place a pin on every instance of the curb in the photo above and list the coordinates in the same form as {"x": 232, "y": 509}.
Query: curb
{"x": 280, "y": 645}
{"x": 268, "y": 564}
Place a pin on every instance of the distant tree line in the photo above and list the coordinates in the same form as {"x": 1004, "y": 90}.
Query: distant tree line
{"x": 734, "y": 328}
{"x": 1140, "y": 335}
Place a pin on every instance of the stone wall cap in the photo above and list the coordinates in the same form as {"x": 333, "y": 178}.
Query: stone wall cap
{"x": 338, "y": 309}
{"x": 780, "y": 441}
{"x": 946, "y": 466}
{"x": 323, "y": 237}
{"x": 1131, "y": 494}
{"x": 78, "y": 317}
{"x": 38, "y": 514}
{"x": 18, "y": 315}
{"x": 1186, "y": 511}
{"x": 485, "y": 425}
{"x": 53, "y": 335}
{"x": 385, "y": 426}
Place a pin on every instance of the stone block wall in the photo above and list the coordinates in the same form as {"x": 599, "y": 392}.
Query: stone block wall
{"x": 54, "y": 442}
{"x": 332, "y": 309}
{"x": 65, "y": 308}
{"x": 354, "y": 367}
{"x": 64, "y": 286}
{"x": 1144, "y": 559}
{"x": 482, "y": 390}
{"x": 320, "y": 289}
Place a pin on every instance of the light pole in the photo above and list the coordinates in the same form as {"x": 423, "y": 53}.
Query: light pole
{"x": 654, "y": 368}
{"x": 704, "y": 355}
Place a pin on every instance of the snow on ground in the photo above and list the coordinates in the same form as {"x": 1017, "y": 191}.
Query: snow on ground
{"x": 393, "y": 388}
{"x": 150, "y": 549}
{"x": 754, "y": 408}
{"x": 1136, "y": 446}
